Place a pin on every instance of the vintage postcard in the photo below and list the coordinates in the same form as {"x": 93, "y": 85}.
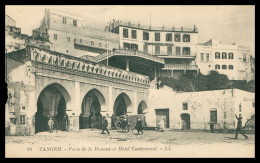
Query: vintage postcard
{"x": 130, "y": 81}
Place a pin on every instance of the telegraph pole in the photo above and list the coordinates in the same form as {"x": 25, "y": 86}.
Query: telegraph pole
{"x": 107, "y": 46}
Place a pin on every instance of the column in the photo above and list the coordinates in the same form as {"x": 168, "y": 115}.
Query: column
{"x": 127, "y": 65}
{"x": 134, "y": 111}
{"x": 110, "y": 106}
{"x": 73, "y": 113}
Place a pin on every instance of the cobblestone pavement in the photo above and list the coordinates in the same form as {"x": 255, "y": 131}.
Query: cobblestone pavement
{"x": 168, "y": 144}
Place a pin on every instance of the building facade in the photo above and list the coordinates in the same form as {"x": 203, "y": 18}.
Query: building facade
{"x": 70, "y": 35}
{"x": 232, "y": 60}
{"x": 177, "y": 46}
{"x": 196, "y": 110}
{"x": 44, "y": 84}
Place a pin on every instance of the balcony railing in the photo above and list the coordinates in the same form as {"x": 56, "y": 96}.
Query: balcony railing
{"x": 117, "y": 23}
{"x": 166, "y": 55}
{"x": 130, "y": 53}
{"x": 180, "y": 67}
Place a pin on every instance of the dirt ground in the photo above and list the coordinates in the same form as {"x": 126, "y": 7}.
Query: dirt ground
{"x": 90, "y": 143}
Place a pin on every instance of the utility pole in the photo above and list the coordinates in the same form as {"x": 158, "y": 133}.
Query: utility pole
{"x": 150, "y": 19}
{"x": 107, "y": 47}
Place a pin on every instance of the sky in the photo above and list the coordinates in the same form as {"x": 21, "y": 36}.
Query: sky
{"x": 227, "y": 23}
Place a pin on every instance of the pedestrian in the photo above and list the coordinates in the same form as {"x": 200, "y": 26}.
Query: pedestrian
{"x": 104, "y": 126}
{"x": 139, "y": 126}
{"x": 162, "y": 124}
{"x": 50, "y": 124}
{"x": 239, "y": 126}
{"x": 211, "y": 127}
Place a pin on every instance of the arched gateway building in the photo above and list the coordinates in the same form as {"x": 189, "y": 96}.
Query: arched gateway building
{"x": 44, "y": 84}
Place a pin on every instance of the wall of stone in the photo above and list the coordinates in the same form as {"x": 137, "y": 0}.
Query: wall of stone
{"x": 21, "y": 98}
{"x": 225, "y": 102}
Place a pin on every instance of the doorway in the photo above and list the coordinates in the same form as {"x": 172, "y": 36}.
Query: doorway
{"x": 160, "y": 113}
{"x": 185, "y": 121}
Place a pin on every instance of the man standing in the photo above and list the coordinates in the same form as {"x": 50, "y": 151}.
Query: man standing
{"x": 139, "y": 126}
{"x": 104, "y": 126}
{"x": 162, "y": 124}
{"x": 211, "y": 125}
{"x": 239, "y": 126}
{"x": 50, "y": 124}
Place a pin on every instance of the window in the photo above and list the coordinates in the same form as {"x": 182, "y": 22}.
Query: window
{"x": 224, "y": 55}
{"x": 253, "y": 104}
{"x": 55, "y": 36}
{"x": 92, "y": 42}
{"x": 22, "y": 119}
{"x": 64, "y": 20}
{"x": 185, "y": 51}
{"x": 207, "y": 57}
{"x": 177, "y": 37}
{"x": 157, "y": 36}
{"x": 244, "y": 57}
{"x": 13, "y": 120}
{"x": 126, "y": 45}
{"x": 75, "y": 23}
{"x": 168, "y": 37}
{"x": 201, "y": 56}
{"x": 134, "y": 46}
{"x": 178, "y": 51}
{"x": 80, "y": 40}
{"x": 217, "y": 55}
{"x": 68, "y": 39}
{"x": 133, "y": 34}
{"x": 217, "y": 66}
{"x": 240, "y": 107}
{"x": 125, "y": 33}
{"x": 230, "y": 56}
{"x": 224, "y": 67}
{"x": 184, "y": 106}
{"x": 169, "y": 50}
{"x": 230, "y": 67}
{"x": 157, "y": 49}
{"x": 145, "y": 36}
{"x": 213, "y": 116}
{"x": 99, "y": 44}
{"x": 75, "y": 40}
{"x": 225, "y": 115}
{"x": 186, "y": 38}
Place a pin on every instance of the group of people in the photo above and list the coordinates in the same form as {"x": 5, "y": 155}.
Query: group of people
{"x": 139, "y": 126}
{"x": 238, "y": 129}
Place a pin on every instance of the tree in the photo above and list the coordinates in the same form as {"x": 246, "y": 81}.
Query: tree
{"x": 216, "y": 81}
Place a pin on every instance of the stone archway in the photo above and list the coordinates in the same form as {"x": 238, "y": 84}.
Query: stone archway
{"x": 90, "y": 116}
{"x": 141, "y": 108}
{"x": 52, "y": 103}
{"x": 121, "y": 104}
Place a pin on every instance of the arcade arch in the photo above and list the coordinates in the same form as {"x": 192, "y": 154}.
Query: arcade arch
{"x": 52, "y": 103}
{"x": 90, "y": 116}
